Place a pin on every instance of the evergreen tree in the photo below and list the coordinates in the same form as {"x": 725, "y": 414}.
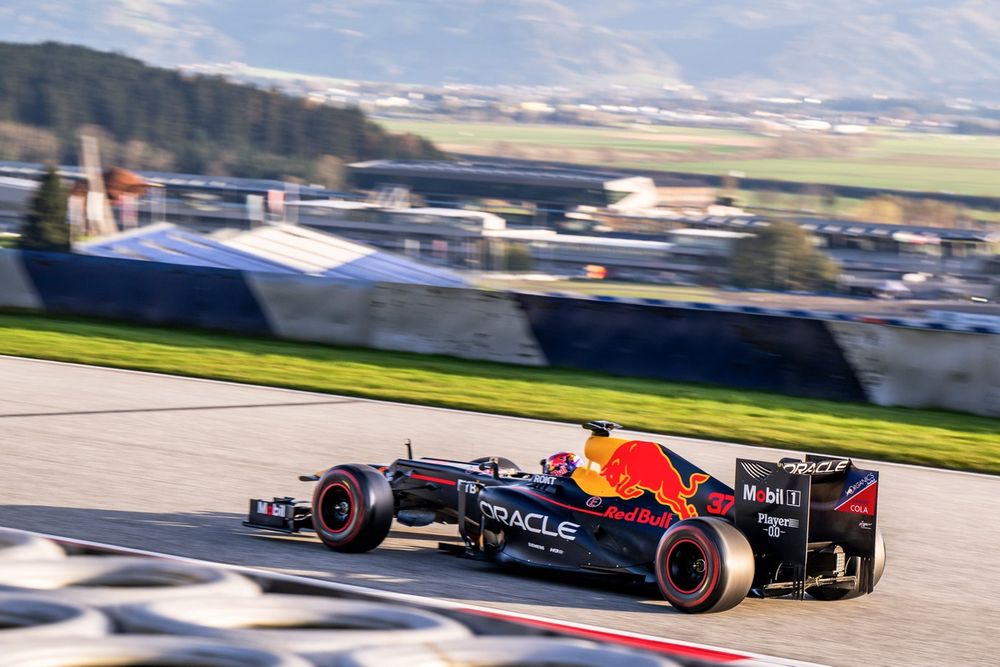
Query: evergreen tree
{"x": 782, "y": 257}
{"x": 45, "y": 226}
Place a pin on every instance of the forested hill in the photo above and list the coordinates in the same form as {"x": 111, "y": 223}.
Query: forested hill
{"x": 158, "y": 119}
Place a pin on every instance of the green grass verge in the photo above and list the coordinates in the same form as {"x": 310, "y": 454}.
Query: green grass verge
{"x": 913, "y": 436}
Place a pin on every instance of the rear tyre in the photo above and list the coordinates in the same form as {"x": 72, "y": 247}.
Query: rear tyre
{"x": 352, "y": 508}
{"x": 832, "y": 594}
{"x": 704, "y": 565}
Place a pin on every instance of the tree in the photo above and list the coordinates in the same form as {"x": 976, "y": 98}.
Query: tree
{"x": 884, "y": 208}
{"x": 782, "y": 257}
{"x": 329, "y": 170}
{"x": 45, "y": 226}
{"x": 189, "y": 122}
{"x": 518, "y": 258}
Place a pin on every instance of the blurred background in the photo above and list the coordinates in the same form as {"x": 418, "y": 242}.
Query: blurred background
{"x": 773, "y": 224}
{"x": 643, "y": 142}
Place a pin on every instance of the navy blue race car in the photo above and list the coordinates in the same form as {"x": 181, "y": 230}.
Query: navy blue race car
{"x": 632, "y": 508}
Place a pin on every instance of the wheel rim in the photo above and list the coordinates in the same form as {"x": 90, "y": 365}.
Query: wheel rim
{"x": 336, "y": 507}
{"x": 687, "y": 567}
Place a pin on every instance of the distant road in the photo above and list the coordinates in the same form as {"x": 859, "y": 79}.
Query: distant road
{"x": 167, "y": 464}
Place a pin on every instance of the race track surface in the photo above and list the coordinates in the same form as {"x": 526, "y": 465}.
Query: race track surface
{"x": 167, "y": 464}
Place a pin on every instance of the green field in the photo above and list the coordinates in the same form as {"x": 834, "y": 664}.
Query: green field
{"x": 915, "y": 436}
{"x": 483, "y": 138}
{"x": 865, "y": 171}
{"x": 883, "y": 159}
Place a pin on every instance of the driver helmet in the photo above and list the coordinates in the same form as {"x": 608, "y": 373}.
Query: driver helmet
{"x": 561, "y": 464}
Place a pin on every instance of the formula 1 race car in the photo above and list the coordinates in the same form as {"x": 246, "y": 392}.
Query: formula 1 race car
{"x": 634, "y": 509}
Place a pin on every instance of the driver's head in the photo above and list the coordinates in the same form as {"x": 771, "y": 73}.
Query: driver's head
{"x": 561, "y": 464}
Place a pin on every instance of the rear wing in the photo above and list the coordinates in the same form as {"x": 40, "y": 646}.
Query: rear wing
{"x": 808, "y": 522}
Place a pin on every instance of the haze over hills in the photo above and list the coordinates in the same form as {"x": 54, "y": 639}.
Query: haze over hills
{"x": 832, "y": 47}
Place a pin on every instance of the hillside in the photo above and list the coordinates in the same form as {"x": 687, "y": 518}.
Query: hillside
{"x": 156, "y": 118}
{"x": 907, "y": 47}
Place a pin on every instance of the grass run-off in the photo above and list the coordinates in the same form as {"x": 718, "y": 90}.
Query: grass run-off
{"x": 926, "y": 437}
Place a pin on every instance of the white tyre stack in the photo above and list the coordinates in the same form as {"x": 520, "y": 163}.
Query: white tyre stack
{"x": 319, "y": 628}
{"x": 504, "y": 652}
{"x": 17, "y": 545}
{"x": 125, "y": 650}
{"x": 38, "y": 618}
{"x": 63, "y": 611}
{"x": 104, "y": 581}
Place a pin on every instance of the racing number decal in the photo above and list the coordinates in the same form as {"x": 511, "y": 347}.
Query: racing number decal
{"x": 720, "y": 503}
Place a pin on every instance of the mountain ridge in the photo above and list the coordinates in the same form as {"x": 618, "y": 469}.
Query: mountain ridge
{"x": 833, "y": 47}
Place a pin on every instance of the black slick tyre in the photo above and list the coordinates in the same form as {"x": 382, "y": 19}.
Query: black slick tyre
{"x": 352, "y": 508}
{"x": 832, "y": 593}
{"x": 704, "y": 565}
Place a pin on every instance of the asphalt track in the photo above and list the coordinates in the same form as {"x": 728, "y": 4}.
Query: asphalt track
{"x": 167, "y": 464}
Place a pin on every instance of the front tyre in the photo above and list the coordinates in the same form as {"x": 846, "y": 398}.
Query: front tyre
{"x": 704, "y": 565}
{"x": 352, "y": 508}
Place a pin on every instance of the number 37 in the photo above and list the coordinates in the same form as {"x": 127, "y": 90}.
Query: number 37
{"x": 720, "y": 503}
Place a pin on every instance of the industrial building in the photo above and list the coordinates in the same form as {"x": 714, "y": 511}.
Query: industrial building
{"x": 661, "y": 245}
{"x": 883, "y": 250}
{"x": 549, "y": 192}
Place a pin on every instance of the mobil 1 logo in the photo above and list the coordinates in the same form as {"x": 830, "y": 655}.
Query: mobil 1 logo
{"x": 772, "y": 508}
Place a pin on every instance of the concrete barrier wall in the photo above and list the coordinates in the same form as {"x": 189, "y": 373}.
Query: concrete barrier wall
{"x": 800, "y": 353}
{"x": 314, "y": 309}
{"x": 920, "y": 369}
{"x": 796, "y": 356}
{"x": 147, "y": 292}
{"x": 429, "y": 320}
{"x": 16, "y": 288}
{"x": 464, "y": 323}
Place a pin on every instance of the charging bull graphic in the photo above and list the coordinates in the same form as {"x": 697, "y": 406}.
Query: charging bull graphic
{"x": 638, "y": 466}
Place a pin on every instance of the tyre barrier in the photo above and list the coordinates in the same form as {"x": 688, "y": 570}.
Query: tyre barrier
{"x": 147, "y": 609}
{"x": 31, "y": 618}
{"x": 316, "y": 627}
{"x": 502, "y": 652}
{"x": 104, "y": 581}
{"x": 16, "y": 545}
{"x": 135, "y": 650}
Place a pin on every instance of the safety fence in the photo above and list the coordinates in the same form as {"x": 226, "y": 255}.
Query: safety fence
{"x": 887, "y": 361}
{"x": 66, "y": 603}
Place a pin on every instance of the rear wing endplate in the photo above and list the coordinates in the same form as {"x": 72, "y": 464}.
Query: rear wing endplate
{"x": 786, "y": 509}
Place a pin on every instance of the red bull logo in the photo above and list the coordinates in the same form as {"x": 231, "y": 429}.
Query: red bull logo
{"x": 640, "y": 515}
{"x": 638, "y": 466}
